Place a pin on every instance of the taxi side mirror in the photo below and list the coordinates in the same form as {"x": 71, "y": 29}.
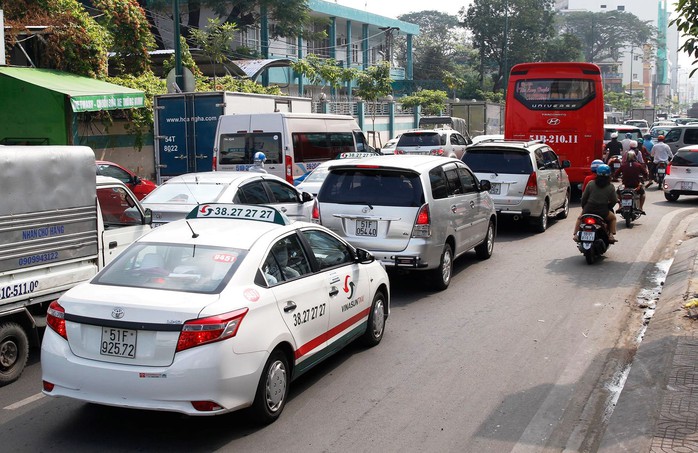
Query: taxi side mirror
{"x": 148, "y": 217}
{"x": 363, "y": 256}
{"x": 485, "y": 186}
{"x": 305, "y": 196}
{"x": 566, "y": 164}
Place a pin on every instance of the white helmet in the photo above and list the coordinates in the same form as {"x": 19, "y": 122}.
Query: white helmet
{"x": 633, "y": 144}
{"x": 631, "y": 156}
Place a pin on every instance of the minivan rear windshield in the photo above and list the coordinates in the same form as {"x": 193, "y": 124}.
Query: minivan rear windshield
{"x": 421, "y": 139}
{"x": 498, "y": 161}
{"x": 380, "y": 187}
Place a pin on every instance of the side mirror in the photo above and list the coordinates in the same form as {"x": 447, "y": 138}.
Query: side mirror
{"x": 364, "y": 256}
{"x": 148, "y": 218}
{"x": 485, "y": 186}
{"x": 136, "y": 180}
{"x": 566, "y": 164}
{"x": 305, "y": 196}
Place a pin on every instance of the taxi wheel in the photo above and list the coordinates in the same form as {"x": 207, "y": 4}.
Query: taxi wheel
{"x": 670, "y": 196}
{"x": 14, "y": 352}
{"x": 441, "y": 276}
{"x": 272, "y": 390}
{"x": 376, "y": 321}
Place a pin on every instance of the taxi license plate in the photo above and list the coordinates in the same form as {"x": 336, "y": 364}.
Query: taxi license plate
{"x": 627, "y": 202}
{"x": 118, "y": 342}
{"x": 686, "y": 185}
{"x": 496, "y": 189}
{"x": 367, "y": 228}
{"x": 588, "y": 236}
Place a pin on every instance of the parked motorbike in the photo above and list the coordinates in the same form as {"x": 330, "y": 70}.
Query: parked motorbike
{"x": 629, "y": 205}
{"x": 660, "y": 174}
{"x": 593, "y": 237}
{"x": 614, "y": 162}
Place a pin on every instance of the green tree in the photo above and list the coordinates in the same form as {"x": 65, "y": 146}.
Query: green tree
{"x": 687, "y": 25}
{"x": 323, "y": 71}
{"x": 372, "y": 84}
{"x": 604, "y": 35}
{"x": 507, "y": 32}
{"x": 565, "y": 47}
{"x": 433, "y": 102}
{"x": 131, "y": 39}
{"x": 453, "y": 82}
{"x": 214, "y": 41}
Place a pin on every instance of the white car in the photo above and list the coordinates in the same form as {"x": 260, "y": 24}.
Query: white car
{"x": 176, "y": 197}
{"x": 212, "y": 314}
{"x": 682, "y": 176}
{"x": 314, "y": 180}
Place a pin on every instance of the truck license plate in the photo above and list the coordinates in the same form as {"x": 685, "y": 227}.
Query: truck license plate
{"x": 367, "y": 228}
{"x": 588, "y": 236}
{"x": 118, "y": 342}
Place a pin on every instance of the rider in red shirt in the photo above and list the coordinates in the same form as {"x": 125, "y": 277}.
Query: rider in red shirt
{"x": 632, "y": 175}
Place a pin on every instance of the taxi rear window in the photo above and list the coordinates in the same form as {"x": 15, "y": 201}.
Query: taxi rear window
{"x": 174, "y": 267}
{"x": 174, "y": 193}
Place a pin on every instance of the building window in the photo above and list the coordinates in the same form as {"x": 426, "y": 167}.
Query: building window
{"x": 355, "y": 53}
{"x": 621, "y": 8}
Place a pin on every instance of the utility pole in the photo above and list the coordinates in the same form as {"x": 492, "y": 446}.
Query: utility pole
{"x": 179, "y": 79}
{"x": 2, "y": 38}
{"x": 506, "y": 46}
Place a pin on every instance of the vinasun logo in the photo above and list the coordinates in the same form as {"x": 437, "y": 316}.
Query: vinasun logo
{"x": 206, "y": 210}
{"x": 348, "y": 286}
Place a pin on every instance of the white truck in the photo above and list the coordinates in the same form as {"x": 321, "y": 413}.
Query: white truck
{"x": 59, "y": 224}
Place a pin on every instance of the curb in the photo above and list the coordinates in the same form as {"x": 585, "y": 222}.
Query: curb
{"x": 633, "y": 426}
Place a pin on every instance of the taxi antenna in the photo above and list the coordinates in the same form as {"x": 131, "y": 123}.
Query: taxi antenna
{"x": 193, "y": 234}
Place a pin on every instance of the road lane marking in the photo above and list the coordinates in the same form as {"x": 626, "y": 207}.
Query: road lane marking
{"x": 24, "y": 402}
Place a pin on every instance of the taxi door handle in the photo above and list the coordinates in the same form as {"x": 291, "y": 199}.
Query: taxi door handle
{"x": 334, "y": 291}
{"x": 290, "y": 306}
{"x": 453, "y": 209}
{"x": 112, "y": 245}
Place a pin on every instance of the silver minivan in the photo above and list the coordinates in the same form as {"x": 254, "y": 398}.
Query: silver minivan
{"x": 411, "y": 212}
{"x": 681, "y": 136}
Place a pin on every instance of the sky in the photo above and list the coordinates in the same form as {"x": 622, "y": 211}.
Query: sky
{"x": 394, "y": 8}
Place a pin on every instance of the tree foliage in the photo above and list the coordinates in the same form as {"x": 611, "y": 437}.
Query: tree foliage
{"x": 604, "y": 35}
{"x": 433, "y": 102}
{"x": 214, "y": 41}
{"x": 687, "y": 25}
{"x": 321, "y": 71}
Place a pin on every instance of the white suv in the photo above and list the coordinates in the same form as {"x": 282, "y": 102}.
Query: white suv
{"x": 411, "y": 212}
{"x": 432, "y": 142}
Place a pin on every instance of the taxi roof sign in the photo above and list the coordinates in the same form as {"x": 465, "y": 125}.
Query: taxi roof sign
{"x": 356, "y": 155}
{"x": 258, "y": 213}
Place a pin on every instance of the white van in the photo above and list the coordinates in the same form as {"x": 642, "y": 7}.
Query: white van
{"x": 293, "y": 143}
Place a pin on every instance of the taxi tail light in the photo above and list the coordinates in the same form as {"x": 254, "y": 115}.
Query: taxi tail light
{"x": 668, "y": 169}
{"x": 532, "y": 185}
{"x": 288, "y": 169}
{"x": 209, "y": 330}
{"x": 315, "y": 214}
{"x": 422, "y": 225}
{"x": 55, "y": 319}
{"x": 398, "y": 151}
{"x": 206, "y": 406}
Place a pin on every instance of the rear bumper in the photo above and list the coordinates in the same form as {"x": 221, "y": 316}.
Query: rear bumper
{"x": 527, "y": 207}
{"x": 420, "y": 254}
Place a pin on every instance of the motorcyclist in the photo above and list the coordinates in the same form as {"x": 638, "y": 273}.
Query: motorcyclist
{"x": 614, "y": 147}
{"x": 626, "y": 141}
{"x": 631, "y": 173}
{"x": 258, "y": 163}
{"x": 638, "y": 154}
{"x": 661, "y": 152}
{"x": 594, "y": 165}
{"x": 598, "y": 198}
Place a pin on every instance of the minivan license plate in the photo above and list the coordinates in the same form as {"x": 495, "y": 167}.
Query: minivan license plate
{"x": 118, "y": 342}
{"x": 496, "y": 189}
{"x": 367, "y": 228}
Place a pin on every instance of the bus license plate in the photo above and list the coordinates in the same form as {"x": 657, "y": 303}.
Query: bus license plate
{"x": 496, "y": 189}
{"x": 118, "y": 342}
{"x": 588, "y": 236}
{"x": 627, "y": 202}
{"x": 367, "y": 228}
{"x": 686, "y": 185}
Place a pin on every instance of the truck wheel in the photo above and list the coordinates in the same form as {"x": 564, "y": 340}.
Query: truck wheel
{"x": 14, "y": 352}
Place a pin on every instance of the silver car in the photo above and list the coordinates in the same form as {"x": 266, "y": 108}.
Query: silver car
{"x": 411, "y": 212}
{"x": 176, "y": 197}
{"x": 528, "y": 179}
{"x": 432, "y": 142}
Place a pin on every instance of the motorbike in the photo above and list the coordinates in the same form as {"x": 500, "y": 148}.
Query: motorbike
{"x": 660, "y": 174}
{"x": 614, "y": 162}
{"x": 629, "y": 205}
{"x": 593, "y": 237}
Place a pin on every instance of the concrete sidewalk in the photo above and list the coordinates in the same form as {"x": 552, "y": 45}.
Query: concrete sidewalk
{"x": 658, "y": 407}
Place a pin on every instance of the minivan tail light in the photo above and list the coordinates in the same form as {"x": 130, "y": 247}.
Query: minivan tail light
{"x": 209, "y": 330}
{"x": 214, "y": 164}
{"x": 315, "y": 214}
{"x": 437, "y": 152}
{"x": 55, "y": 319}
{"x": 532, "y": 185}
{"x": 422, "y": 225}
{"x": 398, "y": 151}
{"x": 288, "y": 166}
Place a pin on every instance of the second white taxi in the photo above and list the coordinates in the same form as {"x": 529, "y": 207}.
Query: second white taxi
{"x": 213, "y": 313}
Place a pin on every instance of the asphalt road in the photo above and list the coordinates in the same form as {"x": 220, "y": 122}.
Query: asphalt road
{"x": 521, "y": 353}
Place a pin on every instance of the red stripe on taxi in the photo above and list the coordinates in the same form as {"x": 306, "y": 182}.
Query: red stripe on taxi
{"x": 336, "y": 330}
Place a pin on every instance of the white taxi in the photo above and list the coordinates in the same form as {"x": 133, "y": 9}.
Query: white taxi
{"x": 213, "y": 313}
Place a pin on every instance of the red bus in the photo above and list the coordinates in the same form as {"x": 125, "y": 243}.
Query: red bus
{"x": 562, "y": 105}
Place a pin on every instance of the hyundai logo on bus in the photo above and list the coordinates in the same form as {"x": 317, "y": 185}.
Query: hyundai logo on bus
{"x": 554, "y": 121}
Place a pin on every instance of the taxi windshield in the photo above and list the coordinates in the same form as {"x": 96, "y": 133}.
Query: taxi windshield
{"x": 175, "y": 267}
{"x": 175, "y": 193}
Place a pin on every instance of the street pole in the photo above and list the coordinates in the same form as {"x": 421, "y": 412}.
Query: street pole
{"x": 632, "y": 57}
{"x": 506, "y": 46}
{"x": 177, "y": 46}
